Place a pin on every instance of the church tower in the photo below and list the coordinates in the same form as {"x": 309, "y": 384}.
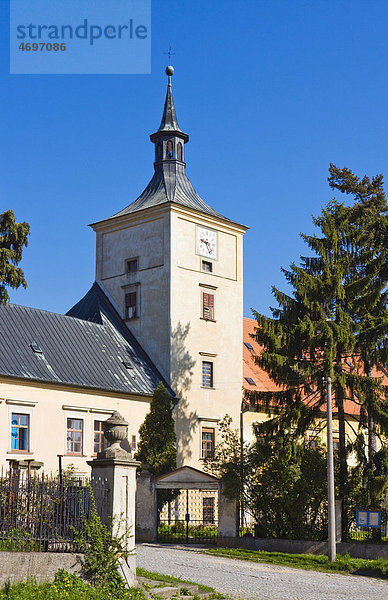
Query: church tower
{"x": 173, "y": 267}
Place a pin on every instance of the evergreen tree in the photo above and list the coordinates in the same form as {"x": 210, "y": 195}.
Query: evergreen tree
{"x": 13, "y": 237}
{"x": 334, "y": 324}
{"x": 157, "y": 443}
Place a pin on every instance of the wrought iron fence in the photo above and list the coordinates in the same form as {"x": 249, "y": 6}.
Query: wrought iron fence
{"x": 191, "y": 517}
{"x": 43, "y": 514}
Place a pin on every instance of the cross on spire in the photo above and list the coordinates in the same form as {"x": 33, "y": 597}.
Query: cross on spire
{"x": 169, "y": 55}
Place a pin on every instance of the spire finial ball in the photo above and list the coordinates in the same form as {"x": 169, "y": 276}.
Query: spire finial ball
{"x": 169, "y": 70}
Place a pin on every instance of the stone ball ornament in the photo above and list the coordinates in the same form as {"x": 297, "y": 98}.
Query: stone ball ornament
{"x": 169, "y": 70}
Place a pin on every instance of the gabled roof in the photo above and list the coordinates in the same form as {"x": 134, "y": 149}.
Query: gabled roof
{"x": 85, "y": 348}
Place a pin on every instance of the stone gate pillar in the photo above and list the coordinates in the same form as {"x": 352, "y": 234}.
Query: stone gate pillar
{"x": 146, "y": 508}
{"x": 227, "y": 516}
{"x": 117, "y": 467}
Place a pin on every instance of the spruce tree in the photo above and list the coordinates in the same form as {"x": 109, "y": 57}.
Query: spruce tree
{"x": 336, "y": 313}
{"x": 13, "y": 237}
{"x": 157, "y": 443}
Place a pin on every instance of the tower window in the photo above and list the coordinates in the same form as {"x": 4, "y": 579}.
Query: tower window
{"x": 180, "y": 151}
{"x": 207, "y": 374}
{"x": 208, "y": 306}
{"x": 131, "y": 311}
{"x": 207, "y": 266}
{"x": 169, "y": 149}
{"x": 207, "y": 442}
{"x": 132, "y": 265}
{"x": 159, "y": 151}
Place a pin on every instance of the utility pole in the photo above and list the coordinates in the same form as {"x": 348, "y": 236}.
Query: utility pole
{"x": 330, "y": 473}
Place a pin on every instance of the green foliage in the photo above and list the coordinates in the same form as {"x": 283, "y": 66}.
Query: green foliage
{"x": 13, "y": 237}
{"x": 103, "y": 549}
{"x": 66, "y": 586}
{"x": 343, "y": 563}
{"x": 289, "y": 493}
{"x": 334, "y": 324}
{"x": 157, "y": 443}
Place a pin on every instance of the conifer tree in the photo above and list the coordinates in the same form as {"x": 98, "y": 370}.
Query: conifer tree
{"x": 334, "y": 323}
{"x": 13, "y": 237}
{"x": 157, "y": 443}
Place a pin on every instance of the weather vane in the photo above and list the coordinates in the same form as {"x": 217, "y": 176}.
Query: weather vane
{"x": 169, "y": 55}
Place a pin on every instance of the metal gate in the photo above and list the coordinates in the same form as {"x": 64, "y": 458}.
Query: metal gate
{"x": 189, "y": 516}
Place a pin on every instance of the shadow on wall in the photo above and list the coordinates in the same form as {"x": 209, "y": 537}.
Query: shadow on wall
{"x": 182, "y": 364}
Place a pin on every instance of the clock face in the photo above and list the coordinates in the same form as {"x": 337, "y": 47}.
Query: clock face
{"x": 206, "y": 242}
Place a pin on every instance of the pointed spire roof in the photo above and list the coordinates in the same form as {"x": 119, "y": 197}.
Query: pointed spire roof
{"x": 170, "y": 184}
{"x": 169, "y": 120}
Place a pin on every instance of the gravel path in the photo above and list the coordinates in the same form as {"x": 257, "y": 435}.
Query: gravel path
{"x": 250, "y": 581}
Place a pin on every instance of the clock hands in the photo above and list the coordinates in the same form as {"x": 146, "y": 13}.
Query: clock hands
{"x": 210, "y": 249}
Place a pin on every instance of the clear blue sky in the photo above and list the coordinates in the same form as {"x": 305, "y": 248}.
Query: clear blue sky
{"x": 270, "y": 92}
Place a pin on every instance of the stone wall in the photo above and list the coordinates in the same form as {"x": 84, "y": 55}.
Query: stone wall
{"x": 359, "y": 550}
{"x": 38, "y": 566}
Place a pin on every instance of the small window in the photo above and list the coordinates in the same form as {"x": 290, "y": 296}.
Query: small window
{"x": 132, "y": 265}
{"x": 250, "y": 380}
{"x": 20, "y": 432}
{"x": 208, "y": 511}
{"x": 207, "y": 374}
{"x": 336, "y": 444}
{"x": 99, "y": 440}
{"x": 131, "y": 311}
{"x": 208, "y": 306}
{"x": 134, "y": 443}
{"x": 180, "y": 151}
{"x": 169, "y": 150}
{"x": 75, "y": 428}
{"x": 207, "y": 442}
{"x": 37, "y": 349}
{"x": 207, "y": 266}
{"x": 249, "y": 346}
{"x": 312, "y": 441}
{"x": 159, "y": 151}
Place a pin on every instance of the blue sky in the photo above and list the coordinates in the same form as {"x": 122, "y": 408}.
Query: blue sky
{"x": 270, "y": 92}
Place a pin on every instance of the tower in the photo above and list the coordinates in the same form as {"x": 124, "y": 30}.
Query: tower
{"x": 173, "y": 268}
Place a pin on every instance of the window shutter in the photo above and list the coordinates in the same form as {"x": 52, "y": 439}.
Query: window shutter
{"x": 208, "y": 306}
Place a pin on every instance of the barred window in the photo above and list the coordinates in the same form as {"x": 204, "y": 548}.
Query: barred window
{"x": 207, "y": 374}
{"x": 208, "y": 511}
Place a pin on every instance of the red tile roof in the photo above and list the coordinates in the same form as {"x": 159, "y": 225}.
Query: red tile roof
{"x": 263, "y": 383}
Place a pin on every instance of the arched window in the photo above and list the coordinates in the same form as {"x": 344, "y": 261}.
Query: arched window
{"x": 180, "y": 151}
{"x": 159, "y": 151}
{"x": 169, "y": 149}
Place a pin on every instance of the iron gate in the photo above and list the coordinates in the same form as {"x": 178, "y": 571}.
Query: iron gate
{"x": 189, "y": 516}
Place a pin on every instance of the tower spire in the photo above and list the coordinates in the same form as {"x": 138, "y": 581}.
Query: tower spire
{"x": 169, "y": 120}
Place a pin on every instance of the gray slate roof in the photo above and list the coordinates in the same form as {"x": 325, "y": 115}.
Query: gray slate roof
{"x": 85, "y": 348}
{"x": 169, "y": 184}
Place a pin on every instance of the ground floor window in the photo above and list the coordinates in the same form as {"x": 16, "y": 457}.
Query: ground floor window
{"x": 74, "y": 438}
{"x": 20, "y": 432}
{"x": 99, "y": 440}
{"x": 208, "y": 511}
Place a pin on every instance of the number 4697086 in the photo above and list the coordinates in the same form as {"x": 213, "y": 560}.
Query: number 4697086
{"x": 48, "y": 46}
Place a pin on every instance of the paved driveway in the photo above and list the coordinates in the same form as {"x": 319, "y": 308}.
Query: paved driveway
{"x": 246, "y": 580}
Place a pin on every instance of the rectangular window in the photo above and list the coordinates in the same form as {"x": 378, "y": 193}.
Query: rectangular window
{"x": 208, "y": 306}
{"x": 207, "y": 442}
{"x": 99, "y": 440}
{"x": 207, "y": 374}
{"x": 134, "y": 443}
{"x": 208, "y": 511}
{"x": 207, "y": 266}
{"x": 132, "y": 265}
{"x": 130, "y": 305}
{"x": 336, "y": 444}
{"x": 74, "y": 438}
{"x": 20, "y": 432}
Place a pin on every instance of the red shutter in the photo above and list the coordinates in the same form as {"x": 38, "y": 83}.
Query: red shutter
{"x": 208, "y": 306}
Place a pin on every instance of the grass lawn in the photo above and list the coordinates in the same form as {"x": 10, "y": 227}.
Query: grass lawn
{"x": 344, "y": 564}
